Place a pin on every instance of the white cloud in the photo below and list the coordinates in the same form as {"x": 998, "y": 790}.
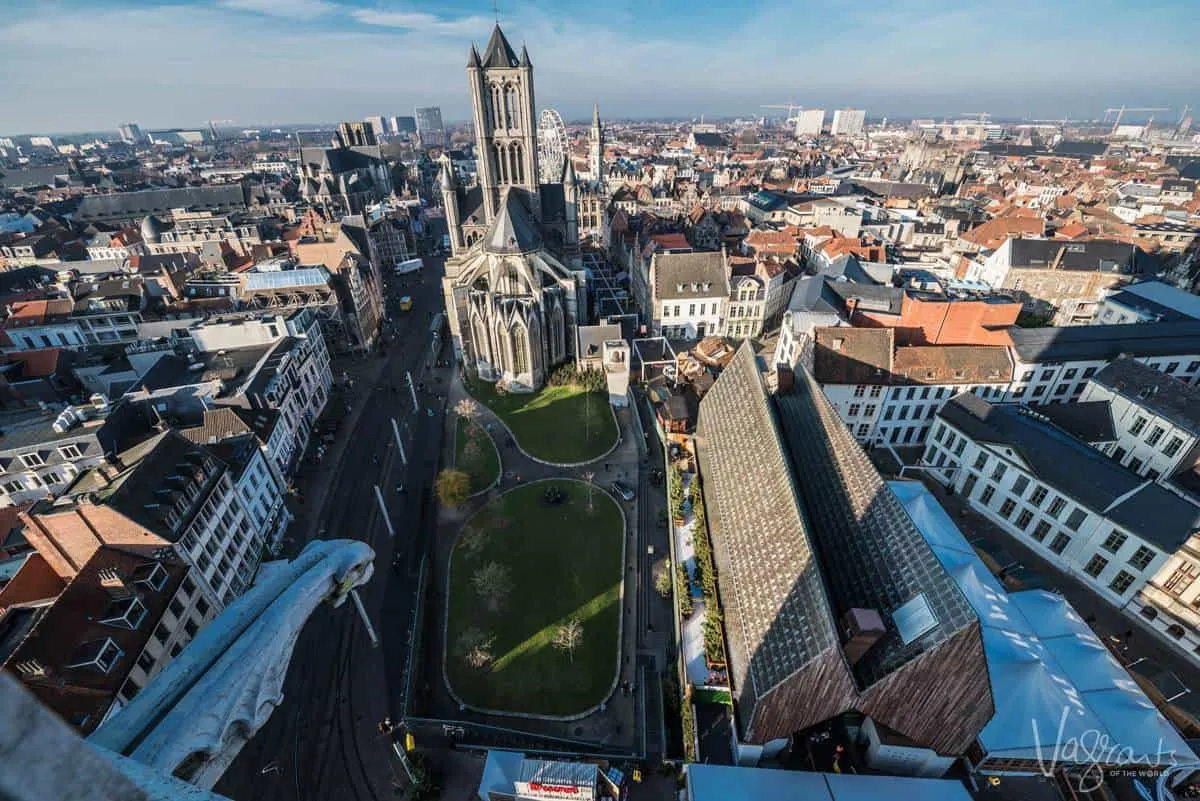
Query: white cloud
{"x": 421, "y": 21}
{"x": 289, "y": 9}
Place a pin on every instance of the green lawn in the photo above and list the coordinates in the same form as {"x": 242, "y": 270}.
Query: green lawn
{"x": 558, "y": 424}
{"x": 563, "y": 562}
{"x": 481, "y": 463}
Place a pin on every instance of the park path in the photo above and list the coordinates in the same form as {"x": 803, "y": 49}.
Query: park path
{"x": 616, "y": 723}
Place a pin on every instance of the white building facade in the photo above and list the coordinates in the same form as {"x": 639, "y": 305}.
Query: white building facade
{"x": 1115, "y": 542}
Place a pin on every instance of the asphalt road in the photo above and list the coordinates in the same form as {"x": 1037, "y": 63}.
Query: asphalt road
{"x": 323, "y": 742}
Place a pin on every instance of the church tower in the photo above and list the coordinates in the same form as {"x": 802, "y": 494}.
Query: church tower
{"x": 505, "y": 121}
{"x": 596, "y": 151}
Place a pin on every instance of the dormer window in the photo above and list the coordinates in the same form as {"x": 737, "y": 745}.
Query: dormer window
{"x": 127, "y": 613}
{"x": 100, "y": 655}
{"x": 32, "y": 459}
{"x": 70, "y": 451}
{"x": 152, "y": 575}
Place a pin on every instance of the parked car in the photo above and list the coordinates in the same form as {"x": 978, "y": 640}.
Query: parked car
{"x": 625, "y": 492}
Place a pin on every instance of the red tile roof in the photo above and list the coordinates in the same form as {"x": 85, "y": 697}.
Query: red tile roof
{"x": 38, "y": 312}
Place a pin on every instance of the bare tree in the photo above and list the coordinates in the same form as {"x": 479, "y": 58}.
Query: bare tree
{"x": 569, "y": 636}
{"x": 493, "y": 582}
{"x": 589, "y": 477}
{"x": 472, "y": 450}
{"x": 472, "y": 540}
{"x": 474, "y": 646}
{"x": 467, "y": 409}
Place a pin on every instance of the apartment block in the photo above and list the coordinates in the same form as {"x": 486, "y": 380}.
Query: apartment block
{"x": 1156, "y": 419}
{"x": 1080, "y": 510}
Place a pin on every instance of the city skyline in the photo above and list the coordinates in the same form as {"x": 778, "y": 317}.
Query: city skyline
{"x": 263, "y": 62}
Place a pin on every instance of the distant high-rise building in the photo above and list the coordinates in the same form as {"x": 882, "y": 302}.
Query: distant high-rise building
{"x": 357, "y": 134}
{"x": 809, "y": 122}
{"x": 376, "y": 124}
{"x": 130, "y": 133}
{"x": 404, "y": 125}
{"x": 429, "y": 126}
{"x": 848, "y": 121}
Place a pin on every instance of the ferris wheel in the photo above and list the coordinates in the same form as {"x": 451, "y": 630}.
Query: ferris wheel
{"x": 552, "y": 146}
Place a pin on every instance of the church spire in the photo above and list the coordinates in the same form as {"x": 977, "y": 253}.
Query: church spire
{"x": 595, "y": 115}
{"x": 499, "y": 52}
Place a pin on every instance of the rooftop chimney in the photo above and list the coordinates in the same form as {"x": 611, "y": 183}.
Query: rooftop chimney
{"x": 862, "y": 628}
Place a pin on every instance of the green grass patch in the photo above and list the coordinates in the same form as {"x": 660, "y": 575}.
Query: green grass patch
{"x": 475, "y": 454}
{"x": 563, "y": 562}
{"x": 557, "y": 424}
{"x": 705, "y": 696}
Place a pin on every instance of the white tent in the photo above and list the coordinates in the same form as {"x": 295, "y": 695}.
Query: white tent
{"x": 1036, "y": 704}
{"x": 1049, "y": 613}
{"x": 1054, "y": 682}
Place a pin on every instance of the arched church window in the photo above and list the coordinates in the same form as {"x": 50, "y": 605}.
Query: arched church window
{"x": 510, "y": 106}
{"x": 520, "y": 346}
{"x": 498, "y": 160}
{"x": 497, "y": 112}
{"x": 514, "y": 160}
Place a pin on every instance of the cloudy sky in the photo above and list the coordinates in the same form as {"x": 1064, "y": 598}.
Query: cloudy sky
{"x": 70, "y": 65}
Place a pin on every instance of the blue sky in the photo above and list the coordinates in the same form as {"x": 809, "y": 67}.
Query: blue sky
{"x": 90, "y": 64}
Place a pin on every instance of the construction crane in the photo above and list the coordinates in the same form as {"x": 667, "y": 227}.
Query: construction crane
{"x": 1121, "y": 113}
{"x": 792, "y": 108}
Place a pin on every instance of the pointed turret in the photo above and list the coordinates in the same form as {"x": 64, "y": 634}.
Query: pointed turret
{"x": 446, "y": 178}
{"x": 499, "y": 52}
{"x": 473, "y": 58}
{"x": 525, "y": 62}
{"x": 569, "y": 173}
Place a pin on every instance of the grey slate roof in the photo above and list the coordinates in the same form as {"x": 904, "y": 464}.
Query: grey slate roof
{"x": 870, "y": 297}
{"x": 139, "y": 492}
{"x": 499, "y": 52}
{"x": 1105, "y": 342}
{"x": 777, "y": 617}
{"x": 1090, "y": 421}
{"x": 709, "y": 140}
{"x": 514, "y": 230}
{"x": 871, "y": 553}
{"x": 130, "y": 205}
{"x": 810, "y": 293}
{"x": 1075, "y": 148}
{"x": 1077, "y": 470}
{"x": 1164, "y": 395}
{"x": 1090, "y": 255}
{"x": 675, "y": 270}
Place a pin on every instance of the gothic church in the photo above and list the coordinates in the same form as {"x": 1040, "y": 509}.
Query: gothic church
{"x": 515, "y": 286}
